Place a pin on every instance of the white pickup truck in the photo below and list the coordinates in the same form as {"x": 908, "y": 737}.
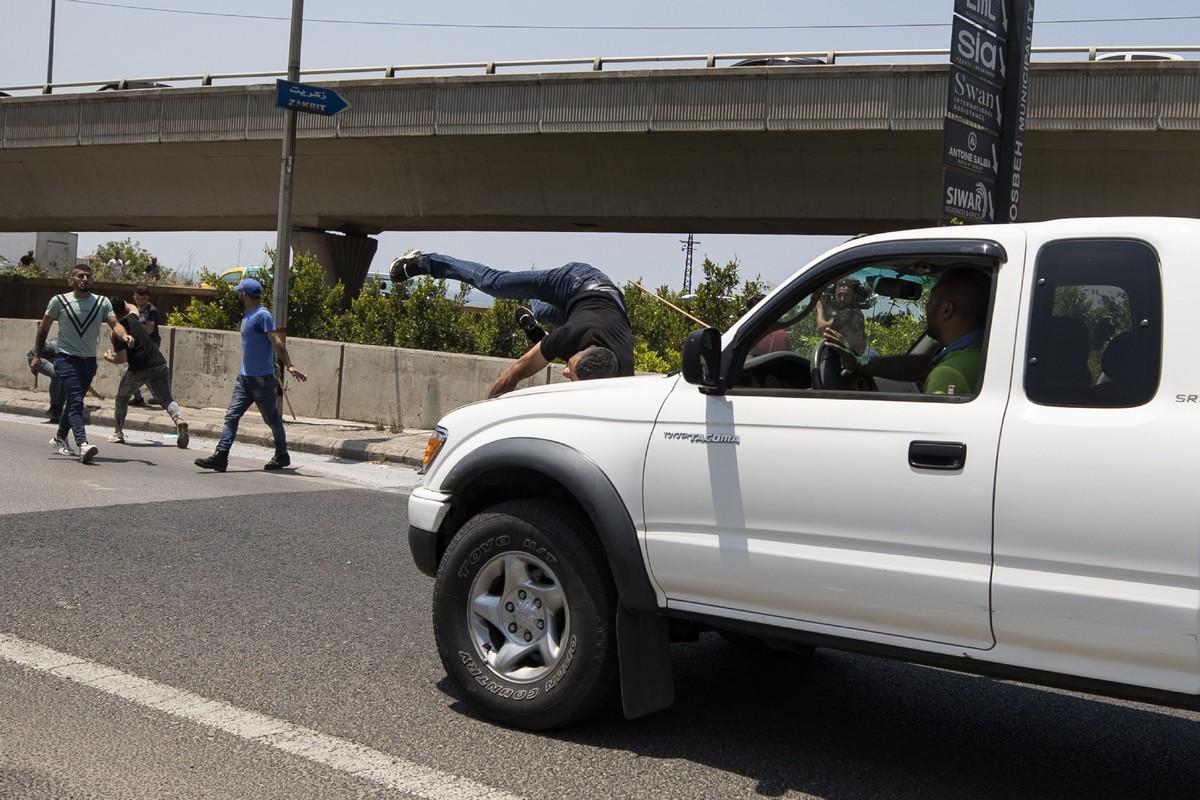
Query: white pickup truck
{"x": 1037, "y": 526}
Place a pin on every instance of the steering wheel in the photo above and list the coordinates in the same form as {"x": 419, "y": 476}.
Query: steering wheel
{"x": 827, "y": 373}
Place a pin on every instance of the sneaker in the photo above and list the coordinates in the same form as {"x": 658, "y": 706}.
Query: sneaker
{"x": 137, "y": 401}
{"x": 117, "y": 438}
{"x": 182, "y": 441}
{"x": 407, "y": 266}
{"x": 87, "y": 452}
{"x": 218, "y": 461}
{"x": 278, "y": 462}
{"x": 534, "y": 332}
{"x": 61, "y": 446}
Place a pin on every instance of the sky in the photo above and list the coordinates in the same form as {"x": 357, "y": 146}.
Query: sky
{"x": 111, "y": 39}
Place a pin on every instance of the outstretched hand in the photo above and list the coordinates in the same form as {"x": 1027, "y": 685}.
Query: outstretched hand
{"x": 852, "y": 361}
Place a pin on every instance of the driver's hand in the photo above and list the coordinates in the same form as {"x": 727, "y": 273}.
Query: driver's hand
{"x": 851, "y": 360}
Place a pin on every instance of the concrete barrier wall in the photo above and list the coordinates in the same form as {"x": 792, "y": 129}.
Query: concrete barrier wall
{"x": 321, "y": 361}
{"x": 16, "y": 339}
{"x": 388, "y": 386}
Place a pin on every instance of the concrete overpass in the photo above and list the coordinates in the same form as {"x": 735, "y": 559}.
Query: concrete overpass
{"x": 828, "y": 149}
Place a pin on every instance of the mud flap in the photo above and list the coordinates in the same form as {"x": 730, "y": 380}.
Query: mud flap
{"x": 644, "y": 649}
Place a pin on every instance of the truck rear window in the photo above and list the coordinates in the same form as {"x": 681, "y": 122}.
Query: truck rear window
{"x": 1095, "y": 334}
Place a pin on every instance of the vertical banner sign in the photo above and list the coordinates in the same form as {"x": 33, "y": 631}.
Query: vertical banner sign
{"x": 1016, "y": 111}
{"x": 986, "y": 107}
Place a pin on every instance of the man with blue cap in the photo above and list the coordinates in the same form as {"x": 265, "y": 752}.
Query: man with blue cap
{"x": 256, "y": 380}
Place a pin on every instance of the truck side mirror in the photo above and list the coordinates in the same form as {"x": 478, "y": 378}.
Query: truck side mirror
{"x": 701, "y": 357}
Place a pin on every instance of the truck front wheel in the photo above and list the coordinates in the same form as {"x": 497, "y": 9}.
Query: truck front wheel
{"x": 524, "y": 613}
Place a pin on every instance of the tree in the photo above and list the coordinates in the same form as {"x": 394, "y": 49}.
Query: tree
{"x": 499, "y": 333}
{"x": 433, "y": 321}
{"x": 373, "y": 318}
{"x": 659, "y": 330}
{"x": 133, "y": 255}
{"x": 314, "y": 309}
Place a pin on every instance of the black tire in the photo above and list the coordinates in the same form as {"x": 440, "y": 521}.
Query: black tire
{"x": 524, "y": 614}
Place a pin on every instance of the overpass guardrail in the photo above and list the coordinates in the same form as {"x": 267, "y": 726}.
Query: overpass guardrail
{"x": 710, "y": 60}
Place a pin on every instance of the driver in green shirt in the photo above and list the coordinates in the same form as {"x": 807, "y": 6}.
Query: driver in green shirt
{"x": 956, "y": 314}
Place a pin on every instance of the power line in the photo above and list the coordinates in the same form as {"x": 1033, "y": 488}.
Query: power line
{"x": 458, "y": 25}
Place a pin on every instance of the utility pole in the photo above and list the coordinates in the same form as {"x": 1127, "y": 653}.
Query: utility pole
{"x": 50, "y": 57}
{"x": 283, "y": 241}
{"x": 688, "y": 246}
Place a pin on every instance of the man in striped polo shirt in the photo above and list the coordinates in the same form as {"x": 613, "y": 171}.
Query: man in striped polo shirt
{"x": 79, "y": 314}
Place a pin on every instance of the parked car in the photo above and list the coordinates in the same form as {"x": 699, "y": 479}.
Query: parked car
{"x": 384, "y": 282}
{"x": 1139, "y": 55}
{"x": 120, "y": 85}
{"x": 232, "y": 277}
{"x": 781, "y": 61}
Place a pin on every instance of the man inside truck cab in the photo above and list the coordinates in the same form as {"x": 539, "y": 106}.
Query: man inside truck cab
{"x": 956, "y": 314}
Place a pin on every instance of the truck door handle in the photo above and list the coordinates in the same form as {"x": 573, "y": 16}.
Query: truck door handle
{"x": 937, "y": 455}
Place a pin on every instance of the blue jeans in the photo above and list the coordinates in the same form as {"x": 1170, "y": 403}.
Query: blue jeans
{"x": 253, "y": 390}
{"x": 75, "y": 374}
{"x": 549, "y": 290}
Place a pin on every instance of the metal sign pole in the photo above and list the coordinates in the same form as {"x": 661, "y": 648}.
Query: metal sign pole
{"x": 283, "y": 241}
{"x": 50, "y": 54}
{"x": 1016, "y": 111}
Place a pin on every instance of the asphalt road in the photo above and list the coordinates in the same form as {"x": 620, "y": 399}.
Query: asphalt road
{"x": 167, "y": 632}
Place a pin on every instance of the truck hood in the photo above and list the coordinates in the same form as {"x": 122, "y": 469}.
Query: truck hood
{"x": 594, "y": 416}
{"x": 638, "y": 397}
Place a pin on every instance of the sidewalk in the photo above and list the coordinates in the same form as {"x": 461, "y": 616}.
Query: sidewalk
{"x": 357, "y": 441}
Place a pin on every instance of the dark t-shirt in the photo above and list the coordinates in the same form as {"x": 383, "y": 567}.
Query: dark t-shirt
{"x": 143, "y": 355}
{"x": 593, "y": 318}
{"x": 150, "y": 314}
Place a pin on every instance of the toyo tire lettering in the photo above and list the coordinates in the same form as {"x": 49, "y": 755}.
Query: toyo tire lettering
{"x": 524, "y": 613}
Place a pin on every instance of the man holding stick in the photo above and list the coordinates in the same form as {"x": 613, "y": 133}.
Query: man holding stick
{"x": 256, "y": 380}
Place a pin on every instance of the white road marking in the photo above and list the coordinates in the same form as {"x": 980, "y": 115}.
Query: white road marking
{"x": 340, "y": 754}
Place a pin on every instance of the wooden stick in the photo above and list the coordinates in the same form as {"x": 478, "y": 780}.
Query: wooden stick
{"x": 669, "y": 303}
{"x": 286, "y": 399}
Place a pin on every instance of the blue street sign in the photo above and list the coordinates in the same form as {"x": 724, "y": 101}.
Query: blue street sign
{"x": 309, "y": 99}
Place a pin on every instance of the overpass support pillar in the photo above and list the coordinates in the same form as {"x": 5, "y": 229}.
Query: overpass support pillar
{"x": 345, "y": 257}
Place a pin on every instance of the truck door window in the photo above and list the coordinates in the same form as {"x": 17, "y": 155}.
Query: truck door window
{"x": 1095, "y": 329}
{"x": 879, "y": 310}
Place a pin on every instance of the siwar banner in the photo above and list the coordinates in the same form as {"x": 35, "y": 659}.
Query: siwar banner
{"x": 987, "y": 104}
